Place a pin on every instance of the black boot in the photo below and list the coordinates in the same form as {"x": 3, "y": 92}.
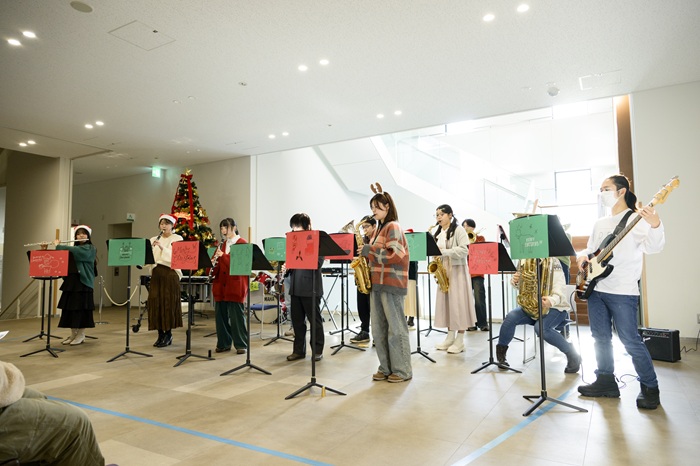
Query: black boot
{"x": 410, "y": 321}
{"x": 161, "y": 334}
{"x": 501, "y": 351}
{"x": 605, "y": 385}
{"x": 648, "y": 398}
{"x": 167, "y": 339}
{"x": 573, "y": 362}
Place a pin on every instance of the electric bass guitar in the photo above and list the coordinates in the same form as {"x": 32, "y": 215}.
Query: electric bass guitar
{"x": 597, "y": 266}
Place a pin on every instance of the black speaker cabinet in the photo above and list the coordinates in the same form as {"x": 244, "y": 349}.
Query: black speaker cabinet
{"x": 663, "y": 344}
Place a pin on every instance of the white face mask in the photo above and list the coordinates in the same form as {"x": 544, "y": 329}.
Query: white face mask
{"x": 608, "y": 198}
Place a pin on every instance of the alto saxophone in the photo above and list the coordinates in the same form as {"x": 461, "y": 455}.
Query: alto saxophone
{"x": 528, "y": 296}
{"x": 360, "y": 265}
{"x": 437, "y": 269}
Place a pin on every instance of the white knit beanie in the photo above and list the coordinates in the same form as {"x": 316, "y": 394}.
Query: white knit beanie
{"x": 11, "y": 384}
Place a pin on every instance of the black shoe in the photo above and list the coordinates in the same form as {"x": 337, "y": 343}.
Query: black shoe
{"x": 410, "y": 321}
{"x": 471, "y": 329}
{"x": 604, "y": 386}
{"x": 222, "y": 350}
{"x": 166, "y": 341}
{"x": 295, "y": 356}
{"x": 648, "y": 398}
{"x": 318, "y": 357}
{"x": 362, "y": 337}
{"x": 573, "y": 362}
{"x": 501, "y": 351}
{"x": 484, "y": 328}
{"x": 161, "y": 335}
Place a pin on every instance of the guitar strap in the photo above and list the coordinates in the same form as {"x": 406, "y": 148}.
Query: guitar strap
{"x": 622, "y": 224}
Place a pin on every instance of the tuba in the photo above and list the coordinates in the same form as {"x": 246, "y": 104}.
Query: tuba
{"x": 359, "y": 264}
{"x": 527, "y": 297}
{"x": 437, "y": 269}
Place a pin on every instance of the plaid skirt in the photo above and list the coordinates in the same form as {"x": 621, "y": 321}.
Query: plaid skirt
{"x": 164, "y": 308}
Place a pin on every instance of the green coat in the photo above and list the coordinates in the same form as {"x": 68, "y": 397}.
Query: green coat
{"x": 84, "y": 257}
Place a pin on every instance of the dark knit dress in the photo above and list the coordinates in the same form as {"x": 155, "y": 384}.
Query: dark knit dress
{"x": 77, "y": 301}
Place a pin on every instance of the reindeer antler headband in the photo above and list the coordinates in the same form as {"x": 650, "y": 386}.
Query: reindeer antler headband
{"x": 376, "y": 188}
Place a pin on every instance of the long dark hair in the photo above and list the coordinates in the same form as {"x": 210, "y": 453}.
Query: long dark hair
{"x": 300, "y": 220}
{"x": 385, "y": 199}
{"x": 229, "y": 223}
{"x": 621, "y": 181}
{"x": 453, "y": 224}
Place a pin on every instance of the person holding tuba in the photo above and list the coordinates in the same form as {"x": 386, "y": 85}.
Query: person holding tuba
{"x": 368, "y": 225}
{"x": 477, "y": 280}
{"x": 230, "y": 292}
{"x": 555, "y": 309}
{"x": 454, "y": 308}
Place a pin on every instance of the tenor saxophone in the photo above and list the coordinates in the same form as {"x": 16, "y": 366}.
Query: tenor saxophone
{"x": 360, "y": 265}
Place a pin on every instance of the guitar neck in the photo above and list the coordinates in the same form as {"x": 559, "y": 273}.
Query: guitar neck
{"x": 606, "y": 252}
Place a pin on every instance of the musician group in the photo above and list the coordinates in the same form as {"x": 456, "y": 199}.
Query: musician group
{"x": 459, "y": 304}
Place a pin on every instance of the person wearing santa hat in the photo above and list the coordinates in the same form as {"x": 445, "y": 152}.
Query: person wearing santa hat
{"x": 164, "y": 308}
{"x": 77, "y": 302}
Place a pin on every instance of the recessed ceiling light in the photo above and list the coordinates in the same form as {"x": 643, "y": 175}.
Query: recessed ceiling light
{"x": 285, "y": 133}
{"x": 303, "y": 68}
{"x": 99, "y": 123}
{"x": 272, "y": 136}
{"x": 323, "y": 62}
{"x": 522, "y": 8}
{"x": 380, "y": 115}
{"x": 88, "y": 126}
{"x": 398, "y": 112}
{"x": 489, "y": 17}
{"x": 29, "y": 34}
{"x": 23, "y": 144}
{"x": 191, "y": 97}
{"x": 14, "y": 42}
{"x": 31, "y": 142}
{"x": 176, "y": 101}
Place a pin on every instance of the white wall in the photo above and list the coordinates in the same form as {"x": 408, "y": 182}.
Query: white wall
{"x": 666, "y": 142}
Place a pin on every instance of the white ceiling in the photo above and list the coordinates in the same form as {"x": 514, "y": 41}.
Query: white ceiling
{"x": 436, "y": 61}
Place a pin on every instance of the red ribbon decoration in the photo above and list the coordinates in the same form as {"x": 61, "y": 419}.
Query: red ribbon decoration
{"x": 189, "y": 193}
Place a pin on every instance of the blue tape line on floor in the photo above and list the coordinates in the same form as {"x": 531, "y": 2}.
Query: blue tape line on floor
{"x": 509, "y": 433}
{"x": 214, "y": 438}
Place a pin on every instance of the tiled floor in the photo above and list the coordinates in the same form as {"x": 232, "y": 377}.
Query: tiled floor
{"x": 147, "y": 412}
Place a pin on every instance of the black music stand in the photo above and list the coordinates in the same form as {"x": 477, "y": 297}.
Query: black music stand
{"x": 416, "y": 255}
{"x": 344, "y": 274}
{"x": 258, "y": 262}
{"x": 432, "y": 249}
{"x": 279, "y": 335}
{"x": 326, "y": 247}
{"x": 41, "y": 331}
{"x": 557, "y": 245}
{"x": 127, "y": 252}
{"x": 50, "y": 275}
{"x": 504, "y": 265}
{"x": 202, "y": 262}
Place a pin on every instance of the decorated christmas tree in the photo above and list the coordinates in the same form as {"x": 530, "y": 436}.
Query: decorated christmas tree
{"x": 192, "y": 221}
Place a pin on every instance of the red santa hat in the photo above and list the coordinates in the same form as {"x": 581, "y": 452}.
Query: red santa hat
{"x": 167, "y": 217}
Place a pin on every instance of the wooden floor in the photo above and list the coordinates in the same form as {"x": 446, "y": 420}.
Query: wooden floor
{"x": 147, "y": 412}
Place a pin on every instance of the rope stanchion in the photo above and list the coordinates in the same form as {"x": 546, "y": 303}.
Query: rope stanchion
{"x": 112, "y": 301}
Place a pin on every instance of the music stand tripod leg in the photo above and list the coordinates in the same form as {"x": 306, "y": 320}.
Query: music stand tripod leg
{"x": 128, "y": 320}
{"x": 343, "y": 315}
{"x": 418, "y": 330}
{"x": 188, "y": 337}
{"x": 247, "y": 361}
{"x": 48, "y": 348}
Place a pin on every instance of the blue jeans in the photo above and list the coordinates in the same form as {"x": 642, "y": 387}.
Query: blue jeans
{"x": 603, "y": 310}
{"x": 390, "y": 333}
{"x": 550, "y": 321}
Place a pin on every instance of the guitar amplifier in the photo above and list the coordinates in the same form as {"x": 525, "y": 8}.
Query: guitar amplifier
{"x": 663, "y": 344}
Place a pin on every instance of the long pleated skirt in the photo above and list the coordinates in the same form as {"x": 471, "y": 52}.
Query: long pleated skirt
{"x": 76, "y": 303}
{"x": 164, "y": 308}
{"x": 454, "y": 310}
